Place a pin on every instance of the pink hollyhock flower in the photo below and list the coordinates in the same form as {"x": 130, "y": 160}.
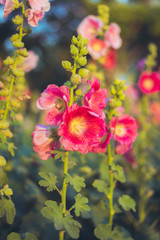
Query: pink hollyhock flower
{"x": 96, "y": 98}
{"x": 90, "y": 27}
{"x": 124, "y": 129}
{"x": 120, "y": 109}
{"x": 45, "y": 139}
{"x": 54, "y": 99}
{"x": 110, "y": 60}
{"x": 149, "y": 82}
{"x": 8, "y": 7}
{"x": 80, "y": 129}
{"x": 112, "y": 36}
{"x": 155, "y": 110}
{"x": 102, "y": 146}
{"x": 131, "y": 92}
{"x": 97, "y": 48}
{"x": 34, "y": 16}
{"x": 30, "y": 62}
{"x": 41, "y": 5}
{"x": 123, "y": 148}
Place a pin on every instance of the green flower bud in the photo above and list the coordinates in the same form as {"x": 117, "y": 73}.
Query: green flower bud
{"x": 18, "y": 44}
{"x": 8, "y": 192}
{"x": 74, "y": 40}
{"x": 17, "y": 20}
{"x": 120, "y": 92}
{"x": 16, "y": 4}
{"x": 4, "y": 92}
{"x": 75, "y": 79}
{"x": 15, "y": 103}
{"x": 124, "y": 88}
{"x": 4, "y": 124}
{"x": 8, "y": 133}
{"x": 83, "y": 72}
{"x": 68, "y": 84}
{"x": 2, "y": 161}
{"x": 122, "y": 97}
{"x": 74, "y": 50}
{"x": 14, "y": 37}
{"x": 67, "y": 65}
{"x": 117, "y": 82}
{"x": 118, "y": 103}
{"x": 84, "y": 51}
{"x": 18, "y": 72}
{"x": 113, "y": 90}
{"x": 27, "y": 30}
{"x": 78, "y": 92}
{"x": 23, "y": 52}
{"x": 8, "y": 61}
{"x": 82, "y": 61}
{"x": 79, "y": 37}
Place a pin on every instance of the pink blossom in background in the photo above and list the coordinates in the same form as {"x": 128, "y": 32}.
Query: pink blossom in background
{"x": 97, "y": 48}
{"x": 96, "y": 98}
{"x": 41, "y": 5}
{"x": 34, "y": 16}
{"x": 80, "y": 129}
{"x": 54, "y": 99}
{"x": 30, "y": 62}
{"x": 124, "y": 129}
{"x": 130, "y": 158}
{"x": 8, "y": 7}
{"x": 112, "y": 36}
{"x": 149, "y": 82}
{"x": 120, "y": 109}
{"x": 132, "y": 93}
{"x": 123, "y": 148}
{"x": 110, "y": 59}
{"x": 44, "y": 140}
{"x": 102, "y": 146}
{"x": 155, "y": 110}
{"x": 90, "y": 27}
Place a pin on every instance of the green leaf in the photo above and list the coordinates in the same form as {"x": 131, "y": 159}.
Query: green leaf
{"x": 11, "y": 148}
{"x": 49, "y": 182}
{"x": 118, "y": 173}
{"x": 14, "y": 236}
{"x": 30, "y": 236}
{"x": 127, "y": 203}
{"x": 99, "y": 212}
{"x": 104, "y": 232}
{"x": 77, "y": 182}
{"x": 101, "y": 186}
{"x": 2, "y": 209}
{"x": 54, "y": 213}
{"x": 59, "y": 154}
{"x": 10, "y": 210}
{"x": 3, "y": 177}
{"x": 80, "y": 204}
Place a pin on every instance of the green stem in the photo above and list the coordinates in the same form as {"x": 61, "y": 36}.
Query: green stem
{"x": 14, "y": 66}
{"x": 64, "y": 190}
{"x": 110, "y": 196}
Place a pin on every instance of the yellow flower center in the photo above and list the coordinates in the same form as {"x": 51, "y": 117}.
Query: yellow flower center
{"x": 120, "y": 130}
{"x": 77, "y": 126}
{"x": 148, "y": 84}
{"x": 97, "y": 47}
{"x": 60, "y": 104}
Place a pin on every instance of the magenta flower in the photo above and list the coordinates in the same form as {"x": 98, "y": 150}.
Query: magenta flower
{"x": 45, "y": 139}
{"x": 54, "y": 99}
{"x": 34, "y": 16}
{"x": 112, "y": 36}
{"x": 96, "y": 98}
{"x": 123, "y": 148}
{"x": 124, "y": 129}
{"x": 8, "y": 7}
{"x": 97, "y": 48}
{"x": 149, "y": 82}
{"x": 41, "y": 5}
{"x": 30, "y": 62}
{"x": 80, "y": 129}
{"x": 90, "y": 27}
{"x": 102, "y": 146}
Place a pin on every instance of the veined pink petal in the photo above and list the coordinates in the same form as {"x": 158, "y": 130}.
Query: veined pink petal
{"x": 8, "y": 7}
{"x": 112, "y": 36}
{"x": 90, "y": 27}
{"x": 34, "y": 16}
{"x": 41, "y": 5}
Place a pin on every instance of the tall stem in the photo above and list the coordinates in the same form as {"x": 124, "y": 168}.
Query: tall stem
{"x": 64, "y": 190}
{"x": 110, "y": 196}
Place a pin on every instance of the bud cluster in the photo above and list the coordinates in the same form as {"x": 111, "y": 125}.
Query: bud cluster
{"x": 103, "y": 12}
{"x": 150, "y": 61}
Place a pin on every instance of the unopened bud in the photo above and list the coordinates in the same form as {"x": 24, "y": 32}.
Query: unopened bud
{"x": 2, "y": 161}
{"x": 75, "y": 79}
{"x": 74, "y": 50}
{"x": 14, "y": 37}
{"x": 8, "y": 133}
{"x": 4, "y": 92}
{"x": 17, "y": 20}
{"x": 74, "y": 40}
{"x": 78, "y": 92}
{"x": 83, "y": 72}
{"x": 117, "y": 82}
{"x": 8, "y": 61}
{"x": 18, "y": 44}
{"x": 113, "y": 90}
{"x": 82, "y": 61}
{"x": 18, "y": 72}
{"x": 4, "y": 124}
{"x": 84, "y": 50}
{"x": 8, "y": 192}
{"x": 23, "y": 52}
{"x": 67, "y": 65}
{"x": 15, "y": 103}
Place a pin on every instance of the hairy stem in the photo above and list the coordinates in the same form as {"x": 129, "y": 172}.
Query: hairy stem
{"x": 110, "y": 195}
{"x": 64, "y": 191}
